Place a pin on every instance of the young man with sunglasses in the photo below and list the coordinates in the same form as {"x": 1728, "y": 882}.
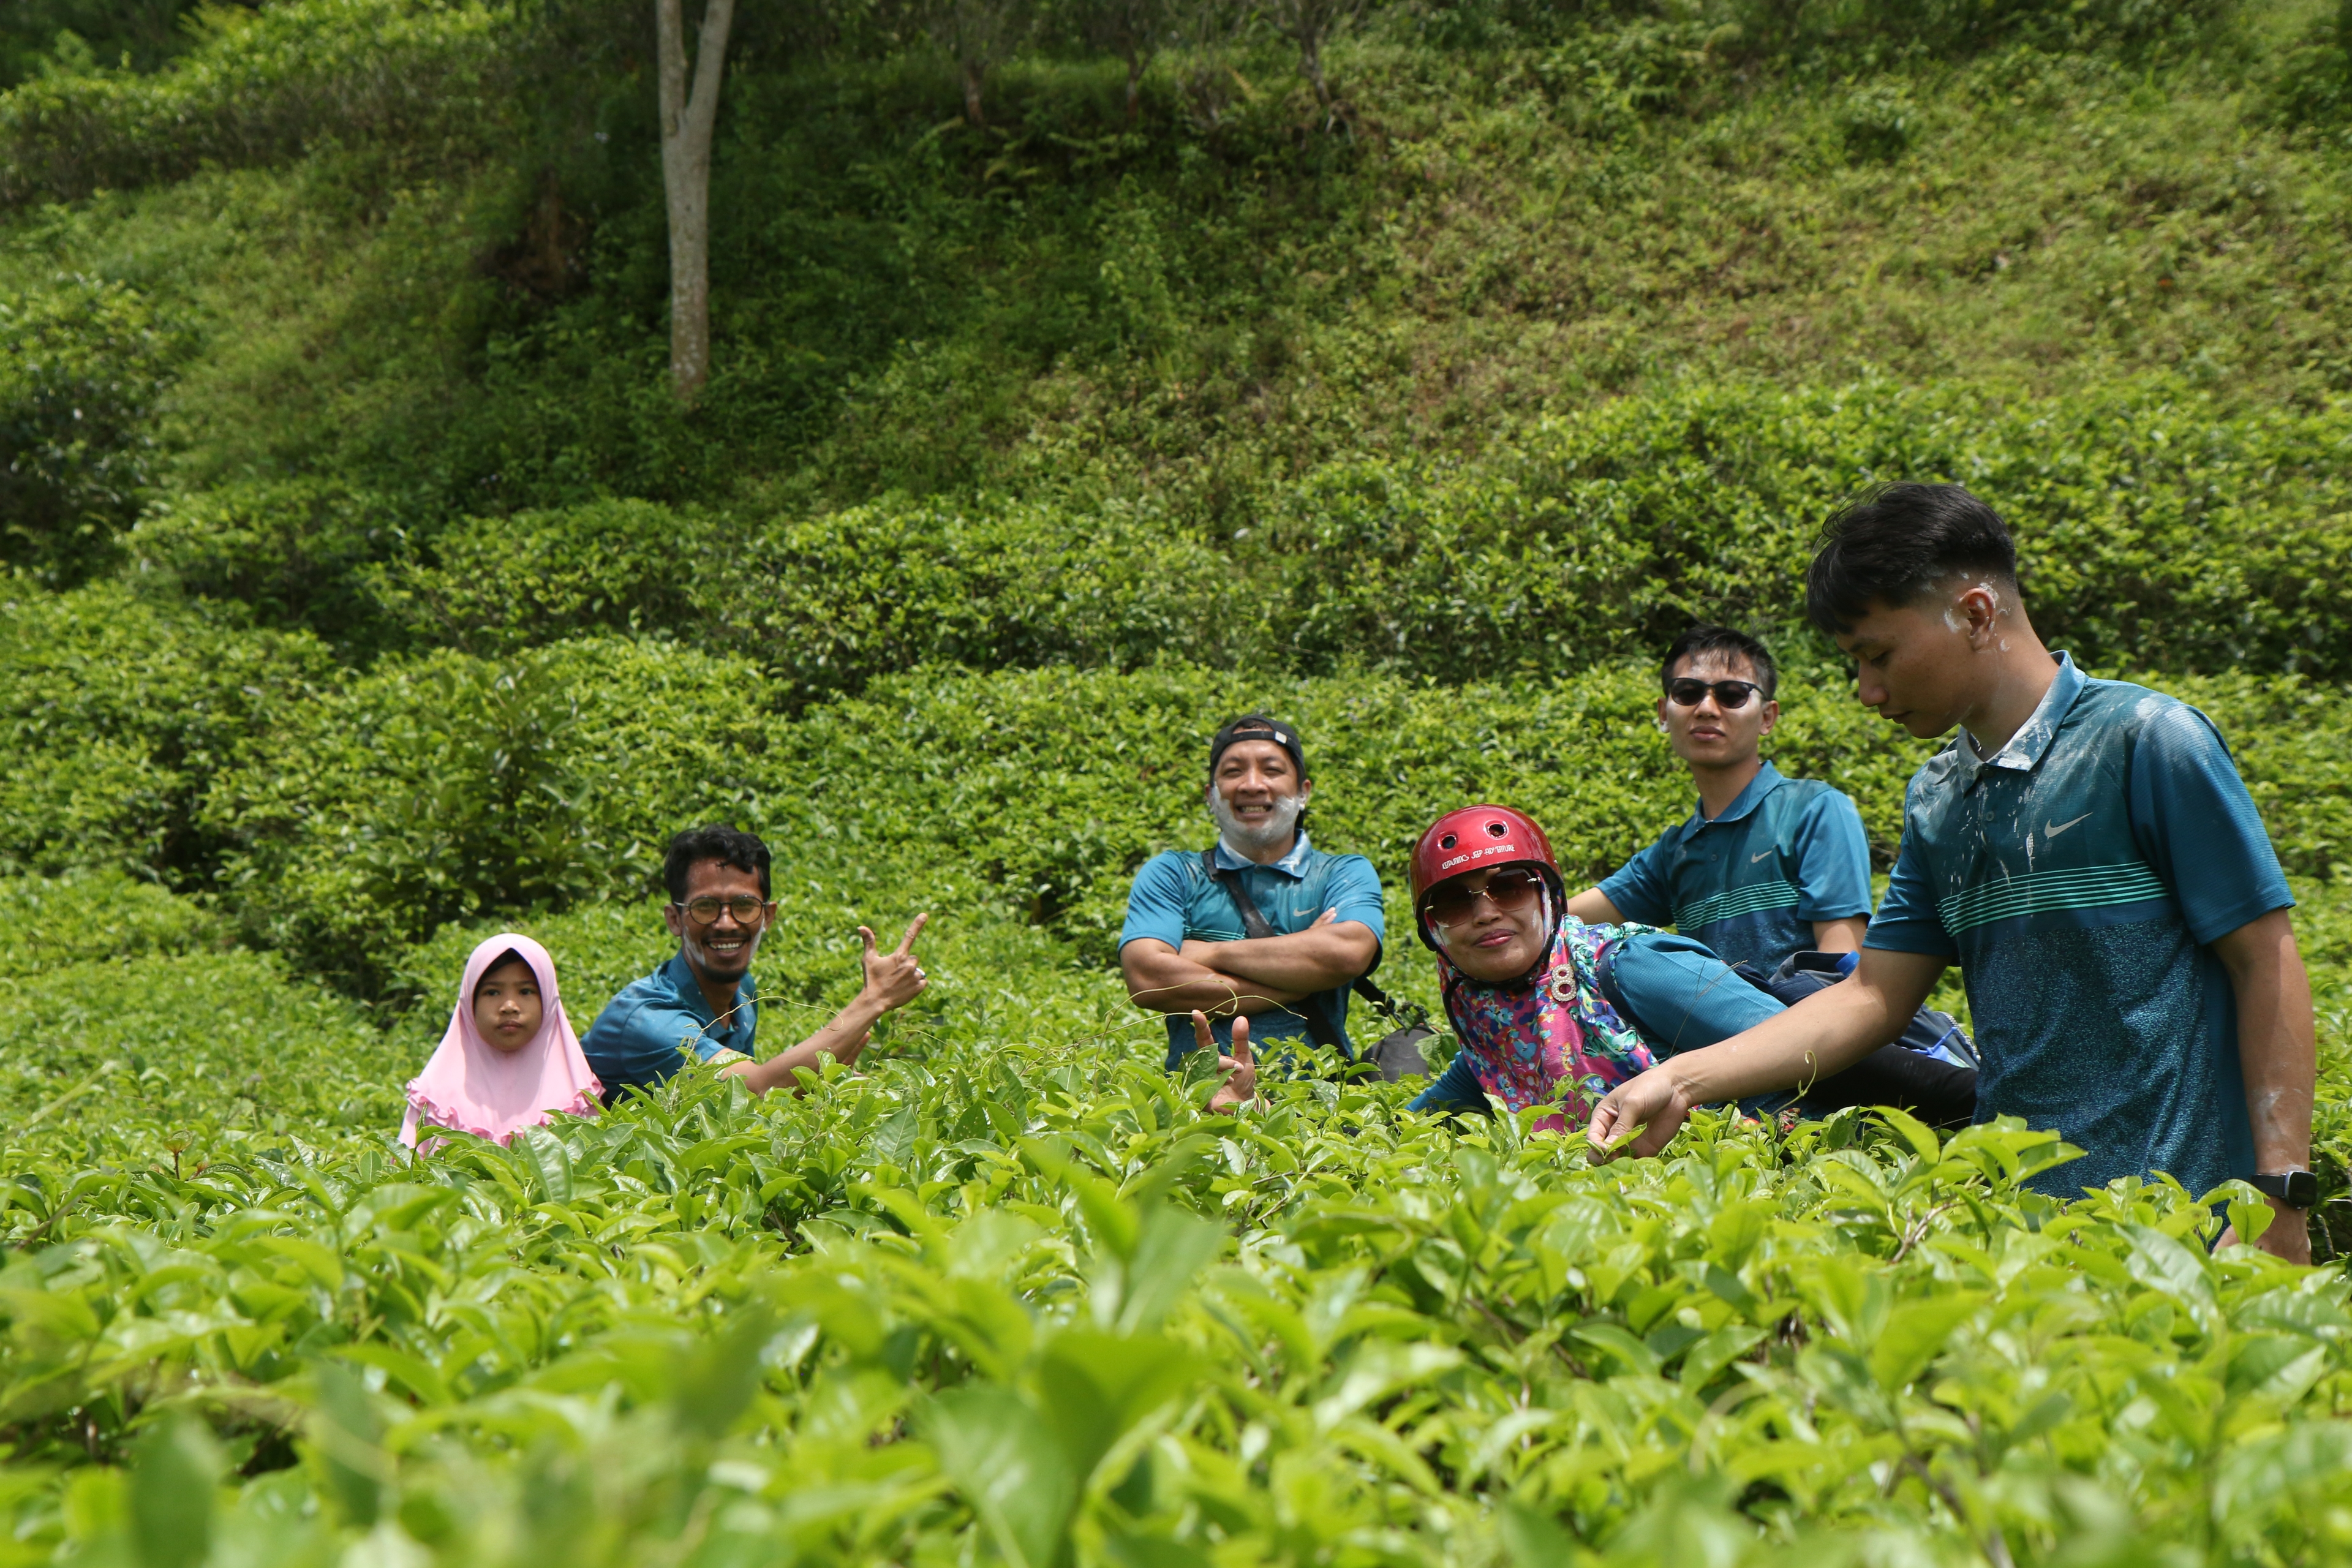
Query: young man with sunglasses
{"x": 1768, "y": 867}
{"x": 702, "y": 1004}
{"x": 2085, "y": 850}
{"x": 1187, "y": 948}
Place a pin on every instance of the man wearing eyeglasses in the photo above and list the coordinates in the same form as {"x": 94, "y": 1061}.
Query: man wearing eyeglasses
{"x": 1768, "y": 867}
{"x": 702, "y": 1004}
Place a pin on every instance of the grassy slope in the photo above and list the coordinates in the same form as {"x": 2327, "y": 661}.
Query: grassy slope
{"x": 1199, "y": 308}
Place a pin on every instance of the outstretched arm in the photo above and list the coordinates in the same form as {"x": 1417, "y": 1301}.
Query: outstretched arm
{"x": 1331, "y": 952}
{"x": 1823, "y": 1035}
{"x": 1593, "y": 907}
{"x": 1159, "y": 979}
{"x": 892, "y": 980}
{"x": 2278, "y": 1054}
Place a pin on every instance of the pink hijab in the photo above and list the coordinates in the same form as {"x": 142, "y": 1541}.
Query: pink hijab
{"x": 474, "y": 1087}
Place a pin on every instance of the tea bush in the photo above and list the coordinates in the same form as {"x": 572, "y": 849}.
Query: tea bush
{"x": 448, "y": 786}
{"x": 2154, "y": 531}
{"x": 400, "y": 71}
{"x": 116, "y": 713}
{"x": 1020, "y": 1299}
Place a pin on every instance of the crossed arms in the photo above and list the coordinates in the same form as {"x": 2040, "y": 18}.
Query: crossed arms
{"x": 1253, "y": 975}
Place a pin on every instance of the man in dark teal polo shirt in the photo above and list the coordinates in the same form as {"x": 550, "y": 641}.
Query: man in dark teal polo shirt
{"x": 702, "y": 1005}
{"x": 2087, "y": 853}
{"x": 1184, "y": 947}
{"x": 1768, "y": 866}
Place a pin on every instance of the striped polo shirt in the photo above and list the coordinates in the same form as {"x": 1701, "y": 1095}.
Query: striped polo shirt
{"x": 1751, "y": 882}
{"x": 2078, "y": 876}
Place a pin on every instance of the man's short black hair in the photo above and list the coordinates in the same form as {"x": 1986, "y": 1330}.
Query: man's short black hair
{"x": 1894, "y": 543}
{"x": 721, "y": 841}
{"x": 1258, "y": 727}
{"x": 1704, "y": 637}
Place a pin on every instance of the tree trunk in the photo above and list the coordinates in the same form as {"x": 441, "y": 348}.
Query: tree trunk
{"x": 1134, "y": 84}
{"x": 972, "y": 72}
{"x": 1310, "y": 57}
{"x": 687, "y": 120}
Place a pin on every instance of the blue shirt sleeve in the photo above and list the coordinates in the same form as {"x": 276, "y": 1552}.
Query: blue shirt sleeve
{"x": 1639, "y": 888}
{"x": 2194, "y": 822}
{"x": 635, "y": 1040}
{"x": 1456, "y": 1088}
{"x": 1908, "y": 919}
{"x": 1354, "y": 889}
{"x": 1832, "y": 860}
{"x": 1156, "y": 904}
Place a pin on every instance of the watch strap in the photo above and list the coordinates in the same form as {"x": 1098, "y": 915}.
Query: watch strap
{"x": 2294, "y": 1189}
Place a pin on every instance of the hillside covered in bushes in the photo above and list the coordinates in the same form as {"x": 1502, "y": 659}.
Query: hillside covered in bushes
{"x": 1085, "y": 372}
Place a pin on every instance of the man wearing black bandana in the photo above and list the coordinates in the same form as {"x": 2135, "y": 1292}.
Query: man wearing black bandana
{"x": 1185, "y": 945}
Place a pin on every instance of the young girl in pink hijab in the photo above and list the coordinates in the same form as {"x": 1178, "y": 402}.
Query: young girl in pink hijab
{"x": 510, "y": 1057}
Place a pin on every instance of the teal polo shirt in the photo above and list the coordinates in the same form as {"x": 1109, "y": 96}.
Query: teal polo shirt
{"x": 1750, "y": 883}
{"x": 1173, "y": 898}
{"x": 653, "y": 1025}
{"x": 2078, "y": 876}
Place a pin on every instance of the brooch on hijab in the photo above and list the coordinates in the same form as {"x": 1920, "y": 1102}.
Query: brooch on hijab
{"x": 1560, "y": 983}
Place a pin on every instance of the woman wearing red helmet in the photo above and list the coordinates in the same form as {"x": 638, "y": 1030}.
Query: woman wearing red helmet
{"x": 1552, "y": 1011}
{"x": 1536, "y": 997}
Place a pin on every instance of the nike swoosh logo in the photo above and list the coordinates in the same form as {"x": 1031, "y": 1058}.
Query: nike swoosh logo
{"x": 2052, "y": 829}
{"x": 1753, "y": 859}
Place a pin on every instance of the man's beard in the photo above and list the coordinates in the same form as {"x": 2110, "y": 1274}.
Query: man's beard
{"x": 1274, "y": 831}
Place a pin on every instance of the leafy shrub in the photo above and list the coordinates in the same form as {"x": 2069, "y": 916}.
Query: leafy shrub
{"x": 1023, "y": 1298}
{"x": 828, "y": 603}
{"x": 625, "y": 566}
{"x": 87, "y": 917}
{"x": 115, "y": 714}
{"x": 2150, "y": 531}
{"x": 412, "y": 72}
{"x": 442, "y": 788}
{"x": 187, "y": 1043}
{"x": 294, "y": 551}
{"x": 2309, "y": 81}
{"x": 1877, "y": 123}
{"x": 992, "y": 769}
{"x": 82, "y": 363}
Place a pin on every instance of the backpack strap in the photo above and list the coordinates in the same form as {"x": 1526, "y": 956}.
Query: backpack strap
{"x": 1319, "y": 1027}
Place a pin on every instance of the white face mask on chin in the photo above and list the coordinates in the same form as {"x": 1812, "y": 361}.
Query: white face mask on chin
{"x": 1275, "y": 831}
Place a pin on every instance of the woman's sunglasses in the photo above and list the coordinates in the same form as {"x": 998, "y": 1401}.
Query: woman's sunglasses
{"x": 1728, "y": 694}
{"x": 1510, "y": 889}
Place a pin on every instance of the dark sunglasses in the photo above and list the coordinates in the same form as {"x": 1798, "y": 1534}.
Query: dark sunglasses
{"x": 1510, "y": 889}
{"x": 704, "y": 911}
{"x": 1728, "y": 694}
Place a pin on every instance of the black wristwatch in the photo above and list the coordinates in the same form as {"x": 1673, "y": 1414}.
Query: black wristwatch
{"x": 2293, "y": 1189}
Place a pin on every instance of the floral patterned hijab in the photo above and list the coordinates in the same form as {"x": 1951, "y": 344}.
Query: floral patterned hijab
{"x": 1549, "y": 1035}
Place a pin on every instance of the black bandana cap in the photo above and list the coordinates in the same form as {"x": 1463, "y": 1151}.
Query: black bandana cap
{"x": 1258, "y": 727}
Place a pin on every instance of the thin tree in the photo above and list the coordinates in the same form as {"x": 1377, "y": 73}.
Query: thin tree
{"x": 689, "y": 113}
{"x": 978, "y": 36}
{"x": 1133, "y": 30}
{"x": 1309, "y": 24}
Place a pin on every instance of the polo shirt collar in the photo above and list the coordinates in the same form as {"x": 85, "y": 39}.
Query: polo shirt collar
{"x": 2032, "y": 742}
{"x": 689, "y": 991}
{"x": 1293, "y": 864}
{"x": 1767, "y": 779}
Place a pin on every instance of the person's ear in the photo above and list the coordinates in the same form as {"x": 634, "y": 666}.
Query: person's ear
{"x": 1771, "y": 717}
{"x": 675, "y": 919}
{"x": 1662, "y": 716}
{"x": 1980, "y": 607}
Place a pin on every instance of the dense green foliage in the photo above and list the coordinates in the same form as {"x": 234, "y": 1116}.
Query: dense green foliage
{"x": 368, "y": 594}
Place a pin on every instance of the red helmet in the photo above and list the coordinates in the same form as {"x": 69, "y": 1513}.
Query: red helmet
{"x": 1471, "y": 840}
